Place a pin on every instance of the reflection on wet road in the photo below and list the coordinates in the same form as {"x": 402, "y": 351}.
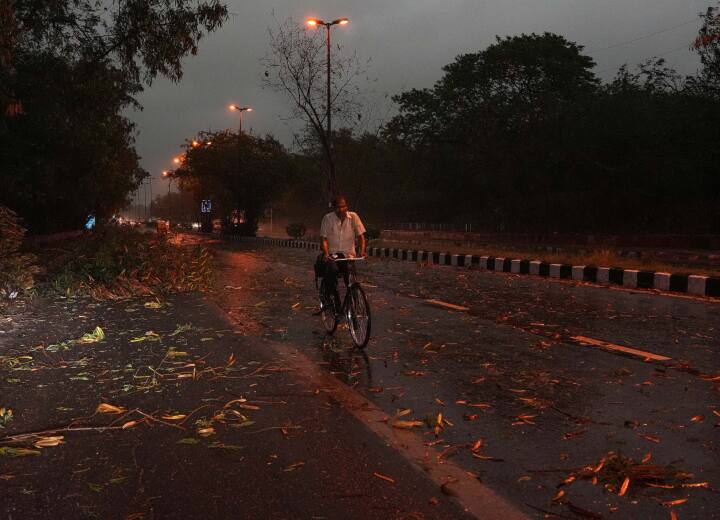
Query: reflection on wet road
{"x": 552, "y": 425}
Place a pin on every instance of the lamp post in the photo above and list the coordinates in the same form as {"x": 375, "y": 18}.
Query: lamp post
{"x": 240, "y": 110}
{"x": 169, "y": 175}
{"x": 312, "y": 23}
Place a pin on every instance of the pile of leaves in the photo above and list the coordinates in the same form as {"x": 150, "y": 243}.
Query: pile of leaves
{"x": 17, "y": 270}
{"x": 624, "y": 475}
{"x": 116, "y": 263}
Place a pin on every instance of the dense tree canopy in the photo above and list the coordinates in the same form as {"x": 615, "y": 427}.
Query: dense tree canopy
{"x": 68, "y": 69}
{"x": 237, "y": 172}
{"x": 70, "y": 153}
{"x": 522, "y": 136}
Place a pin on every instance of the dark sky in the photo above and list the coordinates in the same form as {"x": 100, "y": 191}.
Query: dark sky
{"x": 407, "y": 41}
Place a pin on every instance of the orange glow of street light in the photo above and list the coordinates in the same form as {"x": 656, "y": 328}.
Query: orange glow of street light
{"x": 177, "y": 160}
{"x": 312, "y": 22}
{"x": 165, "y": 173}
{"x": 195, "y": 143}
{"x": 343, "y": 21}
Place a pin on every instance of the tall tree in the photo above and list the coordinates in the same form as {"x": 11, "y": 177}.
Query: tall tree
{"x": 296, "y": 66}
{"x": 495, "y": 124}
{"x": 707, "y": 44}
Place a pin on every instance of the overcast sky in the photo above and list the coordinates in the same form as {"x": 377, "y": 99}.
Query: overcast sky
{"x": 407, "y": 41}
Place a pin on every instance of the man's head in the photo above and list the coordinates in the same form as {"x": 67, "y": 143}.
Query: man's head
{"x": 341, "y": 206}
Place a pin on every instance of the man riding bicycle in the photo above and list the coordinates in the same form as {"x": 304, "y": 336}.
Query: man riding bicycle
{"x": 338, "y": 232}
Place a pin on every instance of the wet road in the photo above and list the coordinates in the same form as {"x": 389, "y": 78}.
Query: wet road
{"x": 525, "y": 408}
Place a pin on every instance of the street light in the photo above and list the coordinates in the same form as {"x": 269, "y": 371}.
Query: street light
{"x": 313, "y": 23}
{"x": 169, "y": 175}
{"x": 240, "y": 110}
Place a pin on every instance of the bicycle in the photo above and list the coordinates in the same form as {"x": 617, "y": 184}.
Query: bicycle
{"x": 354, "y": 308}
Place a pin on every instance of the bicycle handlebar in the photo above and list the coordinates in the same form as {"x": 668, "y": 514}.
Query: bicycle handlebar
{"x": 356, "y": 259}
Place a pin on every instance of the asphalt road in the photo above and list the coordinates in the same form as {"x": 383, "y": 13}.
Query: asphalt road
{"x": 235, "y": 404}
{"x": 508, "y": 373}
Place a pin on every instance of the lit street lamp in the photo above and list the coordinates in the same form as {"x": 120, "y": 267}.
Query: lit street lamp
{"x": 240, "y": 110}
{"x": 313, "y": 23}
{"x": 169, "y": 175}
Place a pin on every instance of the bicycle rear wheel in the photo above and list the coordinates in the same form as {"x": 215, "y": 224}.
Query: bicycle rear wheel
{"x": 328, "y": 304}
{"x": 358, "y": 316}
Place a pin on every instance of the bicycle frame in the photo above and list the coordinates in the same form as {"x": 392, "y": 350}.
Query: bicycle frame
{"x": 345, "y": 307}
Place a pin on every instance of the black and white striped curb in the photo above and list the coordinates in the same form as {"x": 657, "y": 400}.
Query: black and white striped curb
{"x": 632, "y": 278}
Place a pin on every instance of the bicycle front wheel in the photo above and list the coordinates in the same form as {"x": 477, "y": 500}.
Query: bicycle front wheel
{"x": 358, "y": 316}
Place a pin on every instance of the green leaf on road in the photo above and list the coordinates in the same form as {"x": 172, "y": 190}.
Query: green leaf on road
{"x": 7, "y": 451}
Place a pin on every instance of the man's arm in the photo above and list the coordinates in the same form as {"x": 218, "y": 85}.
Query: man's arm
{"x": 361, "y": 243}
{"x": 325, "y": 248}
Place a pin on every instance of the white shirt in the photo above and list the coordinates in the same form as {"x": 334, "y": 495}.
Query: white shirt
{"x": 341, "y": 234}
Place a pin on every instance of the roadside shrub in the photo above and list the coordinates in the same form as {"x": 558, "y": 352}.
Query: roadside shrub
{"x": 116, "y": 263}
{"x": 296, "y": 230}
{"x": 17, "y": 270}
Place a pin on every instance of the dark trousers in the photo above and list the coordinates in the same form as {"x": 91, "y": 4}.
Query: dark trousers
{"x": 332, "y": 270}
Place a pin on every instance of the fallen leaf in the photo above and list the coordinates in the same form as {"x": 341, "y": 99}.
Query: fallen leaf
{"x": 294, "y": 466}
{"x": 129, "y": 424}
{"x": 384, "y": 477}
{"x": 173, "y": 417}
{"x": 375, "y": 389}
{"x": 624, "y": 487}
{"x": 8, "y": 451}
{"x": 414, "y": 373}
{"x": 697, "y": 418}
{"x": 646, "y": 458}
{"x": 695, "y": 484}
{"x": 206, "y": 432}
{"x": 650, "y": 438}
{"x": 480, "y": 405}
{"x": 109, "y": 408}
{"x": 92, "y": 337}
{"x": 677, "y": 502}
{"x": 406, "y": 425}
{"x": 247, "y": 406}
{"x": 559, "y": 495}
{"x": 46, "y": 442}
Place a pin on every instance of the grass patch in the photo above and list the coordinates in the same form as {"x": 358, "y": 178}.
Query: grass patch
{"x": 599, "y": 258}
